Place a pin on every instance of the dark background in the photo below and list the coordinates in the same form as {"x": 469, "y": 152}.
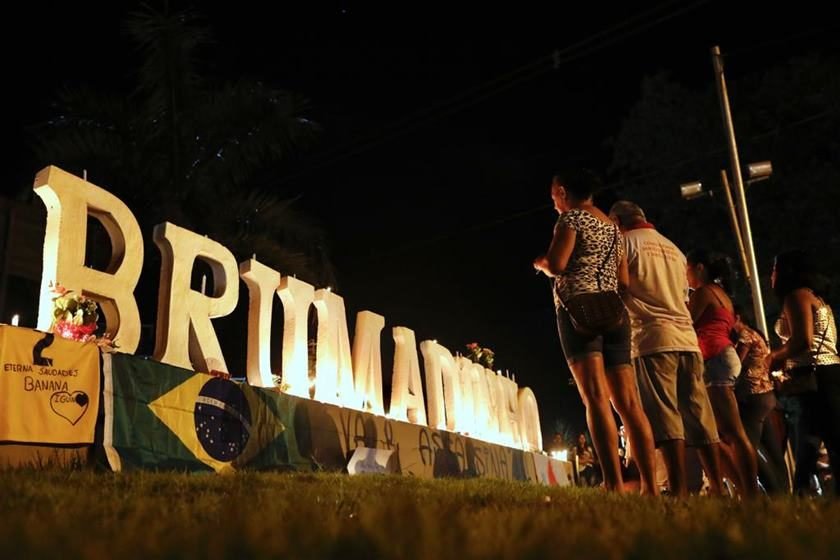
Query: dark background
{"x": 432, "y": 174}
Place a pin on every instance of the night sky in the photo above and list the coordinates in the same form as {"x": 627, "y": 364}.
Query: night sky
{"x": 442, "y": 129}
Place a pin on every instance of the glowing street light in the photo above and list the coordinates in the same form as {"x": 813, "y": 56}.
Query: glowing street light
{"x": 740, "y": 198}
{"x": 738, "y": 213}
{"x": 690, "y": 191}
{"x": 757, "y": 171}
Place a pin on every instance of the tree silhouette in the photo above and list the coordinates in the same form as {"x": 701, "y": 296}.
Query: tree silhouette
{"x": 184, "y": 149}
{"x": 788, "y": 114}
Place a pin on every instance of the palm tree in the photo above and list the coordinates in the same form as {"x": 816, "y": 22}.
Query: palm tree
{"x": 183, "y": 149}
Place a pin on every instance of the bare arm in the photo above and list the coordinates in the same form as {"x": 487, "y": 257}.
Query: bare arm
{"x": 556, "y": 260}
{"x": 698, "y": 302}
{"x": 560, "y": 250}
{"x": 798, "y": 312}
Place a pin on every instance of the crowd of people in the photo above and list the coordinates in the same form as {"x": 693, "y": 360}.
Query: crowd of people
{"x": 654, "y": 333}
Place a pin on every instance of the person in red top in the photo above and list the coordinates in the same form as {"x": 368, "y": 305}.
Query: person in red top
{"x": 713, "y": 315}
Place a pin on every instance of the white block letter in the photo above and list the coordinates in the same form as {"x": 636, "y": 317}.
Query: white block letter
{"x": 407, "y": 402}
{"x": 441, "y": 380}
{"x": 509, "y": 411}
{"x": 495, "y": 396}
{"x": 69, "y": 201}
{"x": 296, "y": 296}
{"x": 263, "y": 283}
{"x": 333, "y": 360}
{"x": 184, "y": 329}
{"x": 367, "y": 362}
{"x": 529, "y": 420}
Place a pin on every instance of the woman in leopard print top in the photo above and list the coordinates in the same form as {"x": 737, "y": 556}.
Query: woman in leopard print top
{"x": 585, "y": 243}
{"x": 593, "y": 264}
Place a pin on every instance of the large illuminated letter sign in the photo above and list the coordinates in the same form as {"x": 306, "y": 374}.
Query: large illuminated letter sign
{"x": 184, "y": 329}
{"x": 69, "y": 201}
{"x": 462, "y": 396}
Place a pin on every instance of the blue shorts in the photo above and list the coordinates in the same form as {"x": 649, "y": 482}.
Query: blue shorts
{"x": 614, "y": 346}
{"x": 723, "y": 369}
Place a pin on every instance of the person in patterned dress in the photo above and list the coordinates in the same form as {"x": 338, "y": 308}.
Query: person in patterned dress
{"x": 756, "y": 396}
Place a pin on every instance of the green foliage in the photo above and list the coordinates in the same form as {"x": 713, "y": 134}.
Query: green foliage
{"x": 74, "y": 308}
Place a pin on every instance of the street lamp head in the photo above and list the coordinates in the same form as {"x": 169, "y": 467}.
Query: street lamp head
{"x": 690, "y": 191}
{"x": 760, "y": 170}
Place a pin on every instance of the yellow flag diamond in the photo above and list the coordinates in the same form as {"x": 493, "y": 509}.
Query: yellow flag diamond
{"x": 224, "y": 424}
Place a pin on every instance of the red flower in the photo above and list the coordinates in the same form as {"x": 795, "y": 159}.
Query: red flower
{"x": 58, "y": 289}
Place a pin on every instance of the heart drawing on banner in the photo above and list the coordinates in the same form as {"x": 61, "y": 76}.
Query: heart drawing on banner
{"x": 70, "y": 406}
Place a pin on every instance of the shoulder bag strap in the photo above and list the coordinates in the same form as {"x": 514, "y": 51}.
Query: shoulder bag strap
{"x": 606, "y": 258}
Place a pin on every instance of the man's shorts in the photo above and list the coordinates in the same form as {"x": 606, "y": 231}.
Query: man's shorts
{"x": 674, "y": 397}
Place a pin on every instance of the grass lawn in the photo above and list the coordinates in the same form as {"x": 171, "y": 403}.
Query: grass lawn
{"x": 81, "y": 514}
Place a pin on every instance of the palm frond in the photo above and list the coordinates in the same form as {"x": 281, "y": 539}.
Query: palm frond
{"x": 179, "y": 149}
{"x": 169, "y": 44}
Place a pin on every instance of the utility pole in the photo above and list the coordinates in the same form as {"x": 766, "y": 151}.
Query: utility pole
{"x": 740, "y": 198}
{"x": 736, "y": 226}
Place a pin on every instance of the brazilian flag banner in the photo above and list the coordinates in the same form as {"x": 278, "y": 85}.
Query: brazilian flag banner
{"x": 159, "y": 416}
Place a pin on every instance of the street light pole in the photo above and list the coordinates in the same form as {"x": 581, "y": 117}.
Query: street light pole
{"x": 740, "y": 198}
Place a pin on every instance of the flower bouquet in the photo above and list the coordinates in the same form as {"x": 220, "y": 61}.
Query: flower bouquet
{"x": 74, "y": 315}
{"x": 480, "y": 355}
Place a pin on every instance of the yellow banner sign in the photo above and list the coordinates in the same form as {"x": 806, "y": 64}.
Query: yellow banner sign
{"x": 49, "y": 387}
